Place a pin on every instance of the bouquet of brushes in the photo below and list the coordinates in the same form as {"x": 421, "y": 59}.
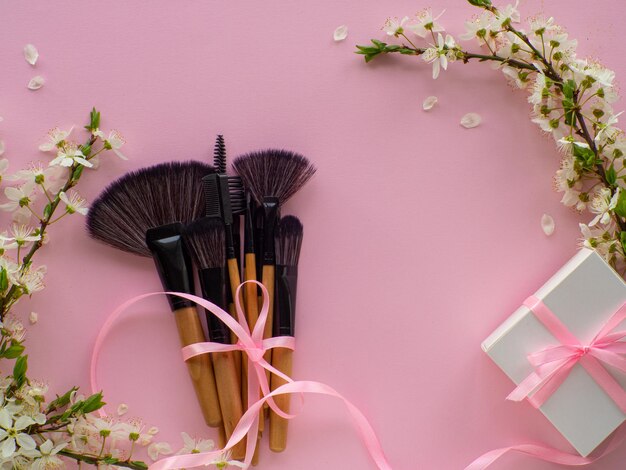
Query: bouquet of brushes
{"x": 186, "y": 214}
{"x": 571, "y": 100}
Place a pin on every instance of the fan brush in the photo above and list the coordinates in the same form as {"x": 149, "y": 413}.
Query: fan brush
{"x": 288, "y": 244}
{"x": 205, "y": 239}
{"x": 143, "y": 212}
{"x": 272, "y": 177}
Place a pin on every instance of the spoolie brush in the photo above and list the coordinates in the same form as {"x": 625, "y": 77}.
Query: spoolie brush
{"x": 205, "y": 239}
{"x": 288, "y": 244}
{"x": 143, "y": 212}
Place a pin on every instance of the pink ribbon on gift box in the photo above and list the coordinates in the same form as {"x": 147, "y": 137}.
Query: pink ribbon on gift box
{"x": 254, "y": 346}
{"x": 553, "y": 364}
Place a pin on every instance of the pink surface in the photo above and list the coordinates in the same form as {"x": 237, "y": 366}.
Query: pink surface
{"x": 421, "y": 236}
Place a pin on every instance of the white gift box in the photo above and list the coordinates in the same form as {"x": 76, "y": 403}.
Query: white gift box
{"x": 583, "y": 294}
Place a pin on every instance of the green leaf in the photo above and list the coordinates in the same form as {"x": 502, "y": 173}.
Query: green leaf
{"x": 47, "y": 211}
{"x": 14, "y": 351}
{"x": 77, "y": 172}
{"x": 139, "y": 463}
{"x": 19, "y": 370}
{"x": 4, "y": 279}
{"x": 94, "y": 120}
{"x": 480, "y": 3}
{"x": 61, "y": 401}
{"x": 93, "y": 403}
{"x": 620, "y": 207}
{"x": 585, "y": 157}
{"x": 611, "y": 175}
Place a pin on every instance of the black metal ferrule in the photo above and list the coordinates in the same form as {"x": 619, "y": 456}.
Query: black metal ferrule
{"x": 172, "y": 262}
{"x": 270, "y": 220}
{"x": 224, "y": 194}
{"x": 236, "y": 231}
{"x": 213, "y": 286}
{"x": 285, "y": 301}
{"x": 248, "y": 225}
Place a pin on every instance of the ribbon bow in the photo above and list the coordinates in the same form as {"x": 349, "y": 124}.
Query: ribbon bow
{"x": 254, "y": 346}
{"x": 553, "y": 364}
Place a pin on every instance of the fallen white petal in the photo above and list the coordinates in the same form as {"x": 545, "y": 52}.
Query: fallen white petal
{"x": 547, "y": 224}
{"x": 122, "y": 409}
{"x": 340, "y": 33}
{"x": 1, "y": 147}
{"x": 30, "y": 54}
{"x": 36, "y": 83}
{"x": 429, "y": 103}
{"x": 470, "y": 120}
{"x": 33, "y": 318}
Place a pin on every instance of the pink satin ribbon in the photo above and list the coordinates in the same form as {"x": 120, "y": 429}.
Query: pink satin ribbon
{"x": 253, "y": 344}
{"x": 553, "y": 365}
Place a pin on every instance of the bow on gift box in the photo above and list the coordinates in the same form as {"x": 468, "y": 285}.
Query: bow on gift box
{"x": 553, "y": 364}
{"x": 254, "y": 346}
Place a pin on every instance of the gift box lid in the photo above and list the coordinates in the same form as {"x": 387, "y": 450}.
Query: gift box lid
{"x": 583, "y": 294}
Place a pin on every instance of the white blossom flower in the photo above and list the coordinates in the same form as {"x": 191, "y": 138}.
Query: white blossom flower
{"x": 440, "y": 54}
{"x": 426, "y": 23}
{"x": 15, "y": 328}
{"x": 195, "y": 446}
{"x": 224, "y": 461}
{"x": 508, "y": 14}
{"x": 56, "y": 138}
{"x": 394, "y": 26}
{"x": 540, "y": 25}
{"x": 73, "y": 203}
{"x": 69, "y": 154}
{"x": 159, "y": 448}
{"x": 480, "y": 28}
{"x": 18, "y": 197}
{"x": 11, "y": 435}
{"x": 602, "y": 203}
{"x": 46, "y": 456}
{"x": 568, "y": 143}
{"x": 22, "y": 234}
{"x": 31, "y": 281}
{"x": 114, "y": 142}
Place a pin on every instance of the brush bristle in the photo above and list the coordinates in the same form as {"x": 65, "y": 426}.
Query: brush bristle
{"x": 289, "y": 241}
{"x": 237, "y": 195}
{"x": 205, "y": 238}
{"x": 219, "y": 154}
{"x": 146, "y": 198}
{"x": 273, "y": 173}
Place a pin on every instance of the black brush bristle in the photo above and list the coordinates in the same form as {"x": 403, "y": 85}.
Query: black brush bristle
{"x": 273, "y": 173}
{"x": 237, "y": 195}
{"x": 210, "y": 187}
{"x": 147, "y": 198}
{"x": 205, "y": 240}
{"x": 219, "y": 154}
{"x": 289, "y": 241}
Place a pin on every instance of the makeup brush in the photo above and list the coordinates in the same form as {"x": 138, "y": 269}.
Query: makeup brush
{"x": 272, "y": 177}
{"x": 143, "y": 212}
{"x": 205, "y": 239}
{"x": 288, "y": 244}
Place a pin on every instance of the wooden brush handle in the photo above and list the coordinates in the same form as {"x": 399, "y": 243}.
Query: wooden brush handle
{"x": 200, "y": 368}
{"x": 269, "y": 272}
{"x": 229, "y": 392}
{"x": 281, "y": 360}
{"x": 252, "y": 315}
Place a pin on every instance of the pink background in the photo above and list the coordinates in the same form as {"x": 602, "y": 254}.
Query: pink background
{"x": 421, "y": 236}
